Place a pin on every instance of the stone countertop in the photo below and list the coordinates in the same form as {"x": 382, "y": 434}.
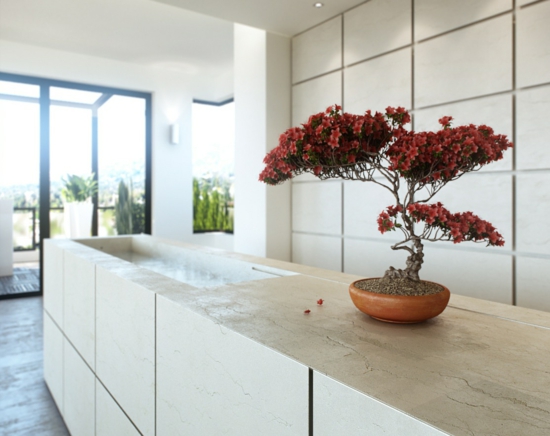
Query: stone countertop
{"x": 480, "y": 368}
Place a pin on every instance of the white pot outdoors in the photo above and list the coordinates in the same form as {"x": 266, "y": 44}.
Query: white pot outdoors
{"x": 78, "y": 219}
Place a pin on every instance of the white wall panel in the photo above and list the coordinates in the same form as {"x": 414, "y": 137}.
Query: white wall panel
{"x": 110, "y": 419}
{"x": 474, "y": 274}
{"x": 533, "y": 129}
{"x": 363, "y": 202}
{"x": 533, "y": 283}
{"x": 315, "y": 96}
{"x": 213, "y": 381}
{"x": 126, "y": 346}
{"x": 494, "y": 111}
{"x": 376, "y": 27}
{"x": 363, "y": 87}
{"x": 78, "y": 393}
{"x": 532, "y": 48}
{"x": 53, "y": 360}
{"x": 317, "y": 207}
{"x": 341, "y": 410}
{"x": 317, "y": 51}
{"x": 532, "y": 212}
{"x": 79, "y": 305}
{"x": 488, "y": 196}
{"x": 319, "y": 251}
{"x": 53, "y": 281}
{"x": 433, "y": 17}
{"x": 470, "y": 62}
{"x": 371, "y": 258}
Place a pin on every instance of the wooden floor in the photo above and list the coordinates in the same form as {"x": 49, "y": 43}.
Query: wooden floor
{"x": 26, "y": 406}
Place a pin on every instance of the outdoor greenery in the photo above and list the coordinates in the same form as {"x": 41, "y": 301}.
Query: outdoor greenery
{"x": 212, "y": 205}
{"x": 78, "y": 188}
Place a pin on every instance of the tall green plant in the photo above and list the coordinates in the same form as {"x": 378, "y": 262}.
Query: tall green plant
{"x": 123, "y": 210}
{"x": 78, "y": 188}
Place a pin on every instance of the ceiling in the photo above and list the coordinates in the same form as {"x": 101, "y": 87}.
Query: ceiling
{"x": 194, "y": 37}
{"x": 136, "y": 31}
{"x": 286, "y": 17}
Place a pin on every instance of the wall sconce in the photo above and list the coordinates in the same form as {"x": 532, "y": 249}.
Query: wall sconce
{"x": 174, "y": 134}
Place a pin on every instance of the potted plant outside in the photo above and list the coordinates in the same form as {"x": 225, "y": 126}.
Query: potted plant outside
{"x": 77, "y": 194}
{"x": 377, "y": 148}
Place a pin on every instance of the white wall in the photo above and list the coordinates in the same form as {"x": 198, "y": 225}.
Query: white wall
{"x": 462, "y": 58}
{"x": 173, "y": 93}
{"x": 262, "y": 112}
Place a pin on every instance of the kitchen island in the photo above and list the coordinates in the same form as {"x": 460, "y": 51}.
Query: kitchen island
{"x": 135, "y": 345}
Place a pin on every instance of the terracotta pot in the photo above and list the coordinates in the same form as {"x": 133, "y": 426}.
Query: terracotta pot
{"x": 399, "y": 308}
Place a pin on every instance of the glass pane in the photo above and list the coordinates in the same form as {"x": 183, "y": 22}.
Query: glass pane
{"x": 213, "y": 167}
{"x": 19, "y": 89}
{"x": 20, "y": 168}
{"x": 70, "y": 154}
{"x": 73, "y": 95}
{"x": 121, "y": 144}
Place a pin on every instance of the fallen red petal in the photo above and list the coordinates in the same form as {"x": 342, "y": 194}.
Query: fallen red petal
{"x": 307, "y": 311}
{"x": 320, "y": 301}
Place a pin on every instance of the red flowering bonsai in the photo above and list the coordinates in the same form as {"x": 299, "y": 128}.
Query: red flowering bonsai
{"x": 334, "y": 144}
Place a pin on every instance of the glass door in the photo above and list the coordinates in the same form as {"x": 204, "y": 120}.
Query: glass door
{"x": 58, "y": 141}
{"x": 19, "y": 188}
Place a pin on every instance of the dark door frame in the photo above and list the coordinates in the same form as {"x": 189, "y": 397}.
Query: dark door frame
{"x": 44, "y": 181}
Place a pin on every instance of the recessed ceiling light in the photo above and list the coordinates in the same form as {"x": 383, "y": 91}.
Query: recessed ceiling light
{"x": 318, "y": 5}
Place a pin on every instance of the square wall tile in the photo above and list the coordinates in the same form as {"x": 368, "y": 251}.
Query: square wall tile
{"x": 213, "y": 381}
{"x": 315, "y": 96}
{"x": 432, "y": 17}
{"x": 532, "y": 278}
{"x": 53, "y": 360}
{"x": 317, "y": 207}
{"x": 475, "y": 274}
{"x": 53, "y": 281}
{"x": 363, "y": 202}
{"x": 318, "y": 50}
{"x": 126, "y": 346}
{"x": 371, "y": 258}
{"x": 532, "y": 212}
{"x": 341, "y": 410}
{"x": 110, "y": 419}
{"x": 362, "y": 83}
{"x": 79, "y": 305}
{"x": 487, "y": 195}
{"x": 533, "y": 128}
{"x": 78, "y": 393}
{"x": 494, "y": 111}
{"x": 319, "y": 251}
{"x": 376, "y": 27}
{"x": 470, "y": 62}
{"x": 532, "y": 48}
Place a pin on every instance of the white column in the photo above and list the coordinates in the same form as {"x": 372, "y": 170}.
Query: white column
{"x": 6, "y": 237}
{"x": 262, "y": 113}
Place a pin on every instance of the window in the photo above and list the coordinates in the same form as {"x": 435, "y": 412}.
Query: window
{"x": 213, "y": 166}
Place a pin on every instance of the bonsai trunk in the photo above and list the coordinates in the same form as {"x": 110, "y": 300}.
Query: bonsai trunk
{"x": 414, "y": 263}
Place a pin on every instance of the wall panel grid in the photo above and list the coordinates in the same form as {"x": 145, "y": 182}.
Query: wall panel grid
{"x": 480, "y": 62}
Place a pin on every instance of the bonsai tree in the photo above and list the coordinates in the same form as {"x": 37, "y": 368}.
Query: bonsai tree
{"x": 78, "y": 189}
{"x": 333, "y": 144}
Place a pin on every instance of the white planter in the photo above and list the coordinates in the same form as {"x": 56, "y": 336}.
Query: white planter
{"x": 6, "y": 237}
{"x": 78, "y": 219}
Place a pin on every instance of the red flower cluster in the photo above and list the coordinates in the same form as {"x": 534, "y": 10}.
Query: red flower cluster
{"x": 459, "y": 226}
{"x": 430, "y": 156}
{"x": 384, "y": 221}
{"x": 332, "y": 139}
